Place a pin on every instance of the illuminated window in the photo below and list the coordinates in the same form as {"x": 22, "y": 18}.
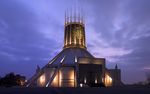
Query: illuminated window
{"x": 81, "y": 85}
{"x": 76, "y": 59}
{"x": 85, "y": 80}
{"x": 95, "y": 80}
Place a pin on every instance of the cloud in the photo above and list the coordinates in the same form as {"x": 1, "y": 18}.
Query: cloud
{"x": 31, "y": 33}
{"x": 21, "y": 41}
{"x": 120, "y": 31}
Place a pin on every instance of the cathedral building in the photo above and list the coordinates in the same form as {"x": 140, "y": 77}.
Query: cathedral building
{"x": 74, "y": 66}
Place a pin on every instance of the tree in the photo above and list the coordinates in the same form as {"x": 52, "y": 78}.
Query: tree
{"x": 11, "y": 79}
{"x": 0, "y": 80}
{"x": 148, "y": 77}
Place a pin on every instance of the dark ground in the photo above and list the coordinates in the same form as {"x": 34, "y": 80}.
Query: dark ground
{"x": 108, "y": 90}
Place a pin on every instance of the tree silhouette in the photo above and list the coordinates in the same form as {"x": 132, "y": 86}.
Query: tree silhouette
{"x": 11, "y": 79}
{"x": 148, "y": 76}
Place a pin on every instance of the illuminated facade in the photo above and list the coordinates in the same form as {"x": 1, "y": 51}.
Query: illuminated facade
{"x": 74, "y": 66}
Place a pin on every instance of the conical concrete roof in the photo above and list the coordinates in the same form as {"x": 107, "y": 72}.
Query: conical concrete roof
{"x": 69, "y": 56}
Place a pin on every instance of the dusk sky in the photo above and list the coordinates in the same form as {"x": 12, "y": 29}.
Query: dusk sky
{"x": 32, "y": 31}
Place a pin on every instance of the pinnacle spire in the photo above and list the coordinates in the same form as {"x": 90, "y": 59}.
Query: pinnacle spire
{"x": 74, "y": 28}
{"x": 116, "y": 67}
{"x": 74, "y": 14}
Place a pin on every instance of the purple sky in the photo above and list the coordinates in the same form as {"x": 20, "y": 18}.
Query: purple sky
{"x": 31, "y": 34}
